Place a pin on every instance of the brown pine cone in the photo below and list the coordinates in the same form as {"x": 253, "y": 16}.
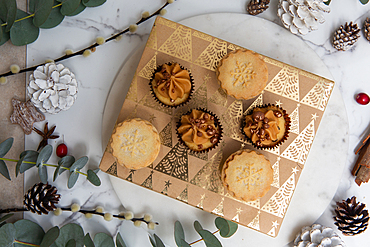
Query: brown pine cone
{"x": 41, "y": 198}
{"x": 351, "y": 217}
{"x": 256, "y": 7}
{"x": 346, "y": 36}
{"x": 367, "y": 29}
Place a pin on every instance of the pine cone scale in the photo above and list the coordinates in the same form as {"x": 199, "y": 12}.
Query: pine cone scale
{"x": 41, "y": 198}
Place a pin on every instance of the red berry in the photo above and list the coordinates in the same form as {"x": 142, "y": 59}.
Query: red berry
{"x": 62, "y": 150}
{"x": 362, "y": 98}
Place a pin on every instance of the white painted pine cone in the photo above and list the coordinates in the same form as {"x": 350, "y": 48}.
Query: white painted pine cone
{"x": 52, "y": 88}
{"x": 302, "y": 16}
{"x": 318, "y": 236}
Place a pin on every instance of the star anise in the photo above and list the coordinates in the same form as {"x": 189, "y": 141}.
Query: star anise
{"x": 46, "y": 135}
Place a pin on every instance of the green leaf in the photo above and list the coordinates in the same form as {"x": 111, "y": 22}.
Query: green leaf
{"x": 79, "y": 164}
{"x": 69, "y": 6}
{"x": 209, "y": 239}
{"x": 102, "y": 239}
{"x": 93, "y": 3}
{"x": 72, "y": 179}
{"x": 179, "y": 233}
{"x": 227, "y": 228}
{"x": 8, "y": 12}
{"x": 29, "y": 232}
{"x": 158, "y": 241}
{"x": 327, "y": 2}
{"x": 88, "y": 241}
{"x": 151, "y": 241}
{"x": 184, "y": 243}
{"x": 93, "y": 178}
{"x": 29, "y": 156}
{"x": 42, "y": 11}
{"x": 364, "y": 1}
{"x": 44, "y": 155}
{"x": 43, "y": 174}
{"x": 50, "y": 236}
{"x": 197, "y": 226}
{"x": 4, "y": 36}
{"x": 5, "y": 217}
{"x": 71, "y": 243}
{"x": 7, "y": 235}
{"x": 23, "y": 32}
{"x": 67, "y": 162}
{"x": 4, "y": 170}
{"x": 55, "y": 17}
{"x": 80, "y": 8}
{"x": 119, "y": 241}
{"x": 2, "y": 224}
{"x": 5, "y": 146}
{"x": 68, "y": 232}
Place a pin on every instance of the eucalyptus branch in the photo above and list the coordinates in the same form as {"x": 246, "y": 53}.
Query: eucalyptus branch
{"x": 93, "y": 46}
{"x": 199, "y": 240}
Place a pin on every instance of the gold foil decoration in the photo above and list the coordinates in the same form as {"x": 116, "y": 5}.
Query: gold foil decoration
{"x": 212, "y": 55}
{"x": 149, "y": 101}
{"x": 183, "y": 195}
{"x": 152, "y": 40}
{"x": 219, "y": 210}
{"x": 132, "y": 91}
{"x": 113, "y": 169}
{"x": 294, "y": 121}
{"x": 175, "y": 163}
{"x": 148, "y": 181}
{"x": 129, "y": 177}
{"x": 200, "y": 204}
{"x": 199, "y": 98}
{"x": 255, "y": 223}
{"x": 285, "y": 83}
{"x": 166, "y": 135}
{"x": 202, "y": 36}
{"x": 179, "y": 44}
{"x": 219, "y": 98}
{"x": 318, "y": 96}
{"x": 238, "y": 212}
{"x": 275, "y": 168}
{"x": 298, "y": 150}
{"x": 231, "y": 120}
{"x": 149, "y": 68}
{"x": 167, "y": 23}
{"x": 166, "y": 186}
{"x": 202, "y": 156}
{"x": 257, "y": 102}
{"x": 272, "y": 232}
{"x": 256, "y": 203}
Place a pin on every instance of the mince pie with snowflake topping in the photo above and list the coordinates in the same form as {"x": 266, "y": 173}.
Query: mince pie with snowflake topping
{"x": 135, "y": 143}
{"x": 242, "y": 74}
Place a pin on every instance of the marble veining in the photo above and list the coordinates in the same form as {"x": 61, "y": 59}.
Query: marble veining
{"x": 82, "y": 124}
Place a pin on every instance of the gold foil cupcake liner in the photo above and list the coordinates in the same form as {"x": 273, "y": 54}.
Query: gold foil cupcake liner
{"x": 217, "y": 124}
{"x": 158, "y": 69}
{"x": 287, "y": 127}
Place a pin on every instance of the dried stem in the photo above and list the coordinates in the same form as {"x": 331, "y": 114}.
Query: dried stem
{"x": 80, "y": 52}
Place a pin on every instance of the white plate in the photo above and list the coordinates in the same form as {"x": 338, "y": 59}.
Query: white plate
{"x": 315, "y": 188}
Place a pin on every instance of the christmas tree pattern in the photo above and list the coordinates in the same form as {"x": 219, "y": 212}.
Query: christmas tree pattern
{"x": 255, "y": 223}
{"x": 298, "y": 150}
{"x": 275, "y": 168}
{"x": 238, "y": 212}
{"x": 279, "y": 202}
{"x": 132, "y": 91}
{"x": 199, "y": 155}
{"x": 167, "y": 184}
{"x": 179, "y": 44}
{"x": 318, "y": 96}
{"x": 256, "y": 102}
{"x": 219, "y": 97}
{"x": 231, "y": 47}
{"x": 129, "y": 177}
{"x": 203, "y": 36}
{"x": 200, "y": 204}
{"x": 149, "y": 68}
{"x": 256, "y": 203}
{"x": 175, "y": 163}
{"x": 209, "y": 176}
{"x": 166, "y": 135}
{"x": 219, "y": 210}
{"x": 275, "y": 150}
{"x": 231, "y": 120}
{"x": 183, "y": 195}
{"x": 112, "y": 169}
{"x": 199, "y": 99}
{"x": 167, "y": 23}
{"x": 149, "y": 101}
{"x": 285, "y": 83}
{"x": 212, "y": 55}
{"x": 294, "y": 121}
{"x": 152, "y": 40}
{"x": 272, "y": 232}
{"x": 148, "y": 183}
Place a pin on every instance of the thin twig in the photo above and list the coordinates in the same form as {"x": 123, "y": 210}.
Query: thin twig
{"x": 202, "y": 238}
{"x": 80, "y": 52}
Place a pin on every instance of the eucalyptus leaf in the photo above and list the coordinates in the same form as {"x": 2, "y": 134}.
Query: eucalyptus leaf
{"x": 88, "y": 241}
{"x": 79, "y": 9}
{"x": 7, "y": 235}
{"x": 119, "y": 241}
{"x": 2, "y": 224}
{"x": 4, "y": 170}
{"x": 72, "y": 179}
{"x": 69, "y": 6}
{"x": 5, "y": 146}
{"x": 5, "y": 217}
{"x": 68, "y": 232}
{"x": 227, "y": 228}
{"x": 327, "y": 2}
{"x": 29, "y": 232}
{"x": 102, "y": 239}
{"x": 93, "y": 178}
{"x": 44, "y": 155}
{"x": 26, "y": 156}
{"x": 67, "y": 162}
{"x": 50, "y": 236}
{"x": 209, "y": 239}
{"x": 23, "y": 32}
{"x": 179, "y": 233}
{"x": 197, "y": 226}
{"x": 56, "y": 172}
{"x": 158, "y": 241}
{"x": 79, "y": 164}
{"x": 42, "y": 10}
{"x": 43, "y": 174}
{"x": 8, "y": 12}
{"x": 71, "y": 243}
{"x": 55, "y": 17}
{"x": 184, "y": 243}
{"x": 151, "y": 241}
{"x": 364, "y": 1}
{"x": 93, "y": 3}
{"x": 4, "y": 36}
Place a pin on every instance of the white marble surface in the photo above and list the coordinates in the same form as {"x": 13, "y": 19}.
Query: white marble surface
{"x": 82, "y": 124}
